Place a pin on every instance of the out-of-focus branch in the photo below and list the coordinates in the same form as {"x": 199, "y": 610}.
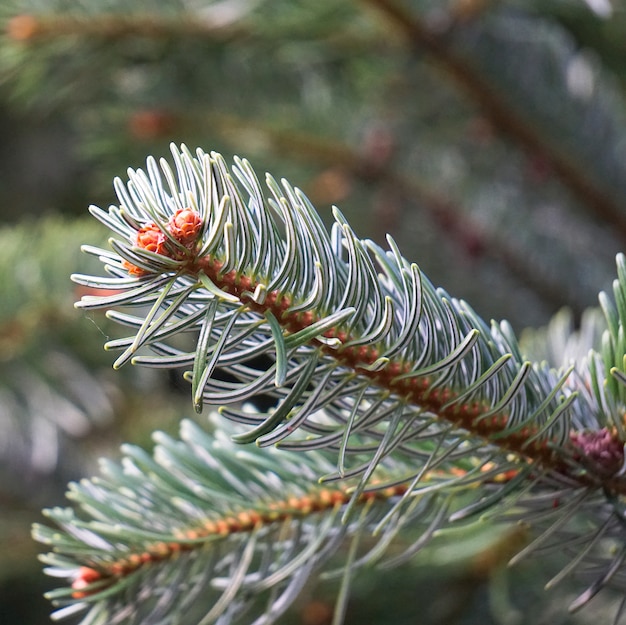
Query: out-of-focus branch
{"x": 501, "y": 115}
{"x": 31, "y": 27}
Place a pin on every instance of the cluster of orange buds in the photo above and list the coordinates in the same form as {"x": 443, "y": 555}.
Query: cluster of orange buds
{"x": 184, "y": 226}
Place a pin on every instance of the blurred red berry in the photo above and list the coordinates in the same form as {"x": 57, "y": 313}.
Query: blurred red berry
{"x": 148, "y": 124}
{"x": 23, "y": 27}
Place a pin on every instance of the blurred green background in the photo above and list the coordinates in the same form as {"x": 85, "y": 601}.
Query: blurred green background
{"x": 487, "y": 137}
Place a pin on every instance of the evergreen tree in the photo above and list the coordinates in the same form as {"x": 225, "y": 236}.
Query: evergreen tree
{"x": 367, "y": 419}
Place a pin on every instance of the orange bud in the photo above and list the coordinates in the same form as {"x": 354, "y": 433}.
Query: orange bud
{"x": 151, "y": 238}
{"x": 133, "y": 270}
{"x": 85, "y": 577}
{"x": 185, "y": 225}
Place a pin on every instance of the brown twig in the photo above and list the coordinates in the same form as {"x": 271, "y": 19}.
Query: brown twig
{"x": 89, "y": 581}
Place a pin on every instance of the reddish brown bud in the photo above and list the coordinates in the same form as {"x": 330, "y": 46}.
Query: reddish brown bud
{"x": 185, "y": 225}
{"x": 133, "y": 270}
{"x": 151, "y": 238}
{"x": 600, "y": 449}
{"x": 85, "y": 577}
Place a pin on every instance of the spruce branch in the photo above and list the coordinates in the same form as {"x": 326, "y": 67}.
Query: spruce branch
{"x": 114, "y": 26}
{"x": 203, "y": 531}
{"x": 348, "y": 327}
{"x": 47, "y": 396}
{"x": 403, "y": 390}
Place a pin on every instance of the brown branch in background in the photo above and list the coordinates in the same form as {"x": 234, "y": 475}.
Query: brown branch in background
{"x": 501, "y": 115}
{"x": 30, "y": 27}
{"x": 441, "y": 209}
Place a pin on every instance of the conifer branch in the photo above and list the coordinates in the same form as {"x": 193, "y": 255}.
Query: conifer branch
{"x": 36, "y": 27}
{"x": 400, "y": 395}
{"x": 203, "y": 531}
{"x": 323, "y": 307}
{"x": 48, "y": 399}
{"x": 241, "y": 524}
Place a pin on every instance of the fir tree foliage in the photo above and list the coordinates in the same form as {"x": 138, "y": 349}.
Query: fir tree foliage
{"x": 395, "y": 406}
{"x": 47, "y": 396}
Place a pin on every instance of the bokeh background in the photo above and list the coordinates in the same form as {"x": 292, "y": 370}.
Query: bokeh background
{"x": 488, "y": 137}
